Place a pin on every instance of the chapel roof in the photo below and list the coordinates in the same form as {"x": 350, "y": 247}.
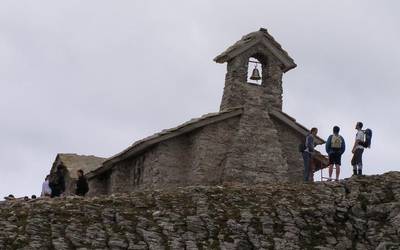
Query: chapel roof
{"x": 74, "y": 162}
{"x": 141, "y": 145}
{"x": 252, "y": 39}
{"x": 292, "y": 123}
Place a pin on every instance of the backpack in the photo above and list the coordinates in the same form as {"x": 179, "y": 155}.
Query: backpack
{"x": 302, "y": 147}
{"x": 368, "y": 137}
{"x": 336, "y": 142}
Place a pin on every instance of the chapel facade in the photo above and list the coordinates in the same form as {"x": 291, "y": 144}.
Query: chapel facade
{"x": 249, "y": 141}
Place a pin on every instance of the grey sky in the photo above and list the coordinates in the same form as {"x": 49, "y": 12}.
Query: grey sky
{"x": 91, "y": 77}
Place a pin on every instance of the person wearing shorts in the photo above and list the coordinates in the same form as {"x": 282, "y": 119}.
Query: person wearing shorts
{"x": 335, "y": 147}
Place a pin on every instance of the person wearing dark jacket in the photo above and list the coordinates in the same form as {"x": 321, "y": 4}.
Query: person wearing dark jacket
{"x": 82, "y": 186}
{"x": 57, "y": 182}
{"x": 308, "y": 153}
{"x": 335, "y": 147}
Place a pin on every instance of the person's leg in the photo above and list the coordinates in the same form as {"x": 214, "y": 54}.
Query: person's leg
{"x": 311, "y": 170}
{"x": 338, "y": 163}
{"x": 337, "y": 171}
{"x": 306, "y": 158}
{"x": 359, "y": 160}
{"x": 354, "y": 164}
{"x": 331, "y": 157}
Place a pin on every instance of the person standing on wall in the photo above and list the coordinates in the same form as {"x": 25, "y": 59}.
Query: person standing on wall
{"x": 308, "y": 153}
{"x": 82, "y": 186}
{"x": 335, "y": 147}
{"x": 358, "y": 150}
{"x": 57, "y": 182}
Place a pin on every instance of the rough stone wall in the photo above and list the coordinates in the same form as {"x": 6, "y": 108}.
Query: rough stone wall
{"x": 361, "y": 213}
{"x": 194, "y": 158}
{"x": 209, "y": 150}
{"x": 99, "y": 185}
{"x": 120, "y": 178}
{"x": 169, "y": 164}
{"x": 256, "y": 155}
{"x": 236, "y": 76}
{"x": 70, "y": 184}
{"x": 290, "y": 141}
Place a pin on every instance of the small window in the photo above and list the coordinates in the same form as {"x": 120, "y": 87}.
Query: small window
{"x": 254, "y": 71}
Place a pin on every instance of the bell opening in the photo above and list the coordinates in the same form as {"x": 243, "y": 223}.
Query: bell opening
{"x": 254, "y": 71}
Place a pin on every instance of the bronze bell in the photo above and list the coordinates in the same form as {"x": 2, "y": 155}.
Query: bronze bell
{"x": 255, "y": 75}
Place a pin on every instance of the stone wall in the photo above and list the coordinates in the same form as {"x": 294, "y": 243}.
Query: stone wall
{"x": 236, "y": 77}
{"x": 256, "y": 155}
{"x": 361, "y": 213}
{"x": 290, "y": 141}
{"x": 99, "y": 185}
{"x": 209, "y": 150}
{"x": 193, "y": 158}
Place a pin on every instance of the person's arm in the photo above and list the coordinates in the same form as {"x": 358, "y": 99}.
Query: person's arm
{"x": 328, "y": 144}
{"x": 310, "y": 143}
{"x": 358, "y": 139}
{"x": 343, "y": 146}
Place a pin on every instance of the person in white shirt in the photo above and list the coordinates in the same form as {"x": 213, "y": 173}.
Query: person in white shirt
{"x": 358, "y": 150}
{"x": 46, "y": 190}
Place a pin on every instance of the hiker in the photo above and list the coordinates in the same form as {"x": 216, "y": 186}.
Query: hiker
{"x": 308, "y": 153}
{"x": 82, "y": 186}
{"x": 335, "y": 147}
{"x": 57, "y": 182}
{"x": 46, "y": 190}
{"x": 358, "y": 150}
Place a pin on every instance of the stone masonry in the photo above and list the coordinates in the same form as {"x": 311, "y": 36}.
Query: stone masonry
{"x": 361, "y": 213}
{"x": 249, "y": 141}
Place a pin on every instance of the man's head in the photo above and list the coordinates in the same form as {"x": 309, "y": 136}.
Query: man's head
{"x": 336, "y": 130}
{"x": 80, "y": 173}
{"x": 359, "y": 125}
{"x": 314, "y": 131}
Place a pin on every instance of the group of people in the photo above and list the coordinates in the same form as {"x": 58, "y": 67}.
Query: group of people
{"x": 335, "y": 147}
{"x": 54, "y": 185}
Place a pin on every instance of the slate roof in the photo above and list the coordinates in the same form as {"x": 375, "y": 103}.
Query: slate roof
{"x": 141, "y": 145}
{"x": 249, "y": 40}
{"x": 291, "y": 122}
{"x": 74, "y": 162}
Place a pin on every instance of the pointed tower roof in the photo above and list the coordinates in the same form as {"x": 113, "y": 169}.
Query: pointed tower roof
{"x": 252, "y": 39}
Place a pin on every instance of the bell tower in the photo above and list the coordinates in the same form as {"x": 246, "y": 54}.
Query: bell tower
{"x": 256, "y": 155}
{"x": 271, "y": 59}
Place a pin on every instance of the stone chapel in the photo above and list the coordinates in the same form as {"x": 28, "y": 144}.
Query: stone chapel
{"x": 249, "y": 141}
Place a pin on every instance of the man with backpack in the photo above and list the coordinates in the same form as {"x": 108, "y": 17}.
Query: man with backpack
{"x": 308, "y": 152}
{"x": 358, "y": 150}
{"x": 363, "y": 140}
{"x": 335, "y": 147}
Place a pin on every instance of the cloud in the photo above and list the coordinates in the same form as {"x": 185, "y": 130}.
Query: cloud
{"x": 92, "y": 77}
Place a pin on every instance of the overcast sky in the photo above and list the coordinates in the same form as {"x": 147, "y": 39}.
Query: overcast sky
{"x": 92, "y": 77}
